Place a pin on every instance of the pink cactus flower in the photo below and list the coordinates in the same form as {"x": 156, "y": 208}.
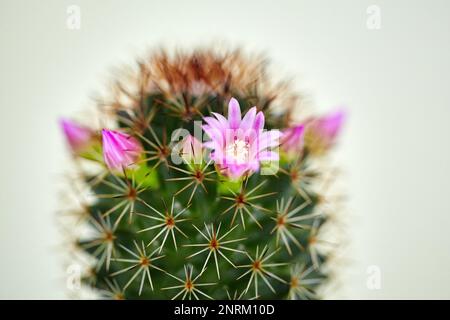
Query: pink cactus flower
{"x": 240, "y": 144}
{"x": 293, "y": 140}
{"x": 120, "y": 150}
{"x": 191, "y": 150}
{"x": 321, "y": 133}
{"x": 78, "y": 137}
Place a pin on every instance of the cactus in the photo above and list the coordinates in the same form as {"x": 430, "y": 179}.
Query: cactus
{"x": 203, "y": 185}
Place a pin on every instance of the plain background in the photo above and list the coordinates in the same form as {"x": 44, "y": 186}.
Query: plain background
{"x": 394, "y": 82}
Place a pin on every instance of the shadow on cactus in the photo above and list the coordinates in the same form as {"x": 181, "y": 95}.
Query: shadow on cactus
{"x": 204, "y": 185}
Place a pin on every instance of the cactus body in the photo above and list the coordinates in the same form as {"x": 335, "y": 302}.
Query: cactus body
{"x": 168, "y": 220}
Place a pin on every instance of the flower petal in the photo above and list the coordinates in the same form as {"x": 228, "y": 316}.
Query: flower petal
{"x": 248, "y": 120}
{"x": 214, "y": 134}
{"x": 234, "y": 114}
{"x": 269, "y": 139}
{"x": 236, "y": 171}
{"x": 268, "y": 156}
{"x": 223, "y": 121}
{"x": 211, "y": 144}
{"x": 258, "y": 125}
{"x": 214, "y": 123}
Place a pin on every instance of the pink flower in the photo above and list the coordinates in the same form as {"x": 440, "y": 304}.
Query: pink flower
{"x": 78, "y": 137}
{"x": 321, "y": 133}
{"x": 192, "y": 150}
{"x": 293, "y": 139}
{"x": 120, "y": 150}
{"x": 239, "y": 145}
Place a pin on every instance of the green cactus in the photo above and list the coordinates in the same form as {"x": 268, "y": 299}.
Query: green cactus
{"x": 195, "y": 228}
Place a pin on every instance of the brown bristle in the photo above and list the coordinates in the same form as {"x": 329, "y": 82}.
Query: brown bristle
{"x": 203, "y": 74}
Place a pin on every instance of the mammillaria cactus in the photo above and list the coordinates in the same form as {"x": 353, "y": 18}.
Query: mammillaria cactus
{"x": 205, "y": 184}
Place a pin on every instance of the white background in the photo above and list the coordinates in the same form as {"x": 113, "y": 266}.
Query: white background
{"x": 394, "y": 82}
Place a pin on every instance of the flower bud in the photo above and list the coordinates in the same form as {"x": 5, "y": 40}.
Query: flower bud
{"x": 78, "y": 137}
{"x": 321, "y": 133}
{"x": 120, "y": 150}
